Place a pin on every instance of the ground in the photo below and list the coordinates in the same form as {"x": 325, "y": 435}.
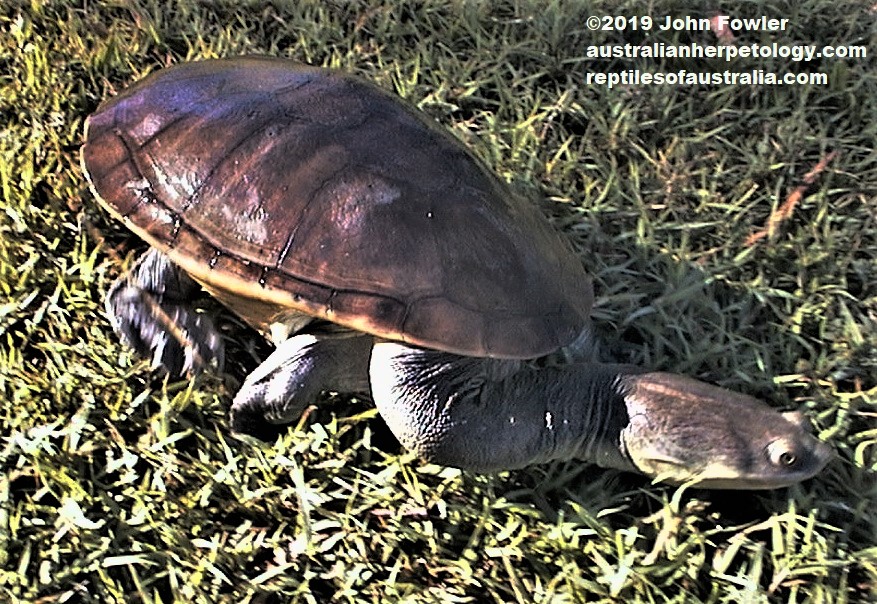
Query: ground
{"x": 730, "y": 228}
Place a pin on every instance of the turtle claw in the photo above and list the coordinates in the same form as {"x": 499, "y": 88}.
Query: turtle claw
{"x": 149, "y": 310}
{"x": 249, "y": 421}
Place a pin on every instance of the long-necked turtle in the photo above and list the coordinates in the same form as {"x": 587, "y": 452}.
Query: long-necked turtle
{"x": 381, "y": 256}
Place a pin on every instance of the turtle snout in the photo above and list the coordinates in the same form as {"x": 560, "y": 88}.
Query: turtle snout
{"x": 685, "y": 431}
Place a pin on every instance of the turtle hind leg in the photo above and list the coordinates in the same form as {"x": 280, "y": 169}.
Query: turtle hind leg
{"x": 151, "y": 309}
{"x": 301, "y": 368}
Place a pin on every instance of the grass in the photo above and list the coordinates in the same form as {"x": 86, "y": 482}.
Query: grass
{"x": 119, "y": 487}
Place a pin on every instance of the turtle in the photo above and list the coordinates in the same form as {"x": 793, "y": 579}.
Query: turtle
{"x": 382, "y": 258}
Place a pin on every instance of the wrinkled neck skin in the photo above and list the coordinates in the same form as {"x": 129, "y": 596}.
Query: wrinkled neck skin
{"x": 584, "y": 415}
{"x": 488, "y": 414}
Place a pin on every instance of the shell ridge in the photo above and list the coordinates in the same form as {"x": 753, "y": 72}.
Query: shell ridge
{"x": 161, "y": 130}
{"x": 293, "y": 86}
{"x": 287, "y": 246}
{"x": 223, "y": 159}
{"x": 146, "y": 194}
{"x": 265, "y": 271}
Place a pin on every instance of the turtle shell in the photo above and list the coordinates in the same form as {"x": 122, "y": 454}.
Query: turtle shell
{"x": 282, "y": 187}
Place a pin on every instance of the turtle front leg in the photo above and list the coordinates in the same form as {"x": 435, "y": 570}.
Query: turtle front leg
{"x": 301, "y": 367}
{"x": 151, "y": 309}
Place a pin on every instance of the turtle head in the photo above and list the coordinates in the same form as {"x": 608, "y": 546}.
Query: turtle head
{"x": 685, "y": 431}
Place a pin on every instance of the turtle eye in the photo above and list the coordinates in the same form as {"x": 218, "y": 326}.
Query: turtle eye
{"x": 781, "y": 454}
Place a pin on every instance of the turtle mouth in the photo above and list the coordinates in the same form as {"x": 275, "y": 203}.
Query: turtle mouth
{"x": 727, "y": 476}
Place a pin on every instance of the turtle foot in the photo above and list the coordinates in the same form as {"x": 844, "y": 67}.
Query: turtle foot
{"x": 149, "y": 309}
{"x": 293, "y": 377}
